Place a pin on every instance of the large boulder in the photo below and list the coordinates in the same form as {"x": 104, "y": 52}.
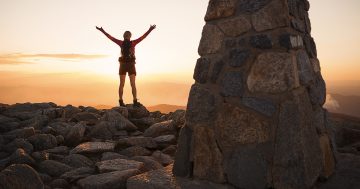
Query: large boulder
{"x": 162, "y": 128}
{"x": 87, "y": 117}
{"x": 75, "y": 134}
{"x": 76, "y": 174}
{"x": 43, "y": 141}
{"x": 77, "y": 160}
{"x": 18, "y": 176}
{"x": 53, "y": 168}
{"x": 118, "y": 121}
{"x": 137, "y": 112}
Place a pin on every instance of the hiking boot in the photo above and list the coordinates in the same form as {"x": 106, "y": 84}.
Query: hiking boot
{"x": 136, "y": 103}
{"x": 121, "y": 103}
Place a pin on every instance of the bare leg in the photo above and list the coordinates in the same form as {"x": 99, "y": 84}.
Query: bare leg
{"x": 133, "y": 86}
{"x": 121, "y": 86}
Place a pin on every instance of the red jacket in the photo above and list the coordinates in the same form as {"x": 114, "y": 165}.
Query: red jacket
{"x": 133, "y": 42}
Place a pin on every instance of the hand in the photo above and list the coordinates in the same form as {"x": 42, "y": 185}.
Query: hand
{"x": 100, "y": 29}
{"x": 152, "y": 27}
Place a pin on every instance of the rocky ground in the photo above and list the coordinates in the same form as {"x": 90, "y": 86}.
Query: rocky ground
{"x": 44, "y": 145}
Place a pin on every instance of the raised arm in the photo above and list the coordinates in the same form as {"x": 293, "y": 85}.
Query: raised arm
{"x": 117, "y": 41}
{"x": 152, "y": 27}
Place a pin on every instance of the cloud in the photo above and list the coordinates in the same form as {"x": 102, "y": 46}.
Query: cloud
{"x": 331, "y": 103}
{"x": 20, "y": 58}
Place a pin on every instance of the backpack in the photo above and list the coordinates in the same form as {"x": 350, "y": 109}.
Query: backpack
{"x": 126, "y": 55}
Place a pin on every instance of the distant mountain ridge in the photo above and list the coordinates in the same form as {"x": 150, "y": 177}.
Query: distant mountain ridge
{"x": 165, "y": 108}
{"x": 349, "y": 105}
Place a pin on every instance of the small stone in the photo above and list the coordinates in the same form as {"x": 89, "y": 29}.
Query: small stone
{"x": 110, "y": 180}
{"x": 235, "y": 26}
{"x": 20, "y": 176}
{"x": 202, "y": 70}
{"x": 272, "y": 73}
{"x": 93, "y": 147}
{"x": 261, "y": 42}
{"x": 232, "y": 84}
{"x": 238, "y": 58}
{"x": 220, "y": 9}
{"x": 271, "y": 16}
{"x": 211, "y": 40}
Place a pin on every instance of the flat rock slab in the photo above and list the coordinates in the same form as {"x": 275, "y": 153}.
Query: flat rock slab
{"x": 110, "y": 180}
{"x": 118, "y": 165}
{"x": 93, "y": 147}
{"x": 164, "y": 179}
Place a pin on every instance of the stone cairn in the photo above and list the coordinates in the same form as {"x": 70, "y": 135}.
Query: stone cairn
{"x": 254, "y": 117}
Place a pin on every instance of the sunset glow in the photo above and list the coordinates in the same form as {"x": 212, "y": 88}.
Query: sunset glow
{"x": 51, "y": 51}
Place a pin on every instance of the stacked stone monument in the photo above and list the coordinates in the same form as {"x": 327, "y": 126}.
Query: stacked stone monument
{"x": 254, "y": 116}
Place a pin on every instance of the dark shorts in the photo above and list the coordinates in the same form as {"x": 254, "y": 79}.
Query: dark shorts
{"x": 127, "y": 67}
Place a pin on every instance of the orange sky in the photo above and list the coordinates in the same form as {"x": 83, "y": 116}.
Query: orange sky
{"x": 49, "y": 46}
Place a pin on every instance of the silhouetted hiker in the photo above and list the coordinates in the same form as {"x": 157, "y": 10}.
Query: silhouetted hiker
{"x": 127, "y": 61}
